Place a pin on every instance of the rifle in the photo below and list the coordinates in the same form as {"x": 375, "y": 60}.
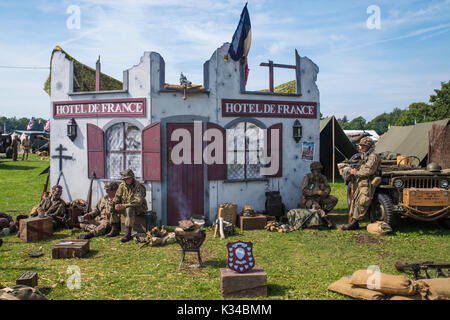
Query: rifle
{"x": 352, "y": 203}
{"x": 89, "y": 197}
{"x": 415, "y": 268}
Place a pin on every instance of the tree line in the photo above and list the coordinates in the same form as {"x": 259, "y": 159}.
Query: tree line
{"x": 438, "y": 108}
{"x": 10, "y": 124}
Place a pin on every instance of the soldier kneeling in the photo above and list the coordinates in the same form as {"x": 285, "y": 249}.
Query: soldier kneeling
{"x": 130, "y": 201}
{"x": 97, "y": 222}
{"x": 316, "y": 193}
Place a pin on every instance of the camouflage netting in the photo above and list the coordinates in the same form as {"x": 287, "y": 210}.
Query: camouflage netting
{"x": 84, "y": 77}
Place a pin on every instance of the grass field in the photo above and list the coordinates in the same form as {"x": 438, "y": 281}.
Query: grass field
{"x": 300, "y": 265}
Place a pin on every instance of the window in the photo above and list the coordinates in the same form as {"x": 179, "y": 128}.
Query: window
{"x": 123, "y": 150}
{"x": 245, "y": 141}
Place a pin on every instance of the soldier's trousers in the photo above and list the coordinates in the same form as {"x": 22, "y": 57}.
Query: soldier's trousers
{"x": 129, "y": 213}
{"x": 363, "y": 198}
{"x": 323, "y": 204}
{"x": 14, "y": 154}
{"x": 97, "y": 227}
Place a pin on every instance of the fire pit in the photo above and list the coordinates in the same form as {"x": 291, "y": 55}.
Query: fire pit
{"x": 190, "y": 241}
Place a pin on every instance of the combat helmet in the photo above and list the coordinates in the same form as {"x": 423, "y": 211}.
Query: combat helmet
{"x": 367, "y": 141}
{"x": 433, "y": 167}
{"x": 111, "y": 185}
{"x": 315, "y": 165}
{"x": 127, "y": 173}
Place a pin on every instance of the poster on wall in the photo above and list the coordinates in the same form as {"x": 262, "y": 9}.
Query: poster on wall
{"x": 308, "y": 151}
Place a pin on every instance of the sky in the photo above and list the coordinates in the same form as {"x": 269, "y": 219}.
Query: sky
{"x": 365, "y": 68}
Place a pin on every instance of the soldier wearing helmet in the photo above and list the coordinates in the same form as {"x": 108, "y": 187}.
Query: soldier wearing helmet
{"x": 129, "y": 201}
{"x": 97, "y": 222}
{"x": 316, "y": 193}
{"x": 363, "y": 189}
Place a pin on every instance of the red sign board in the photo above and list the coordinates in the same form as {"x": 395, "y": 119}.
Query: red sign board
{"x": 111, "y": 108}
{"x": 269, "y": 109}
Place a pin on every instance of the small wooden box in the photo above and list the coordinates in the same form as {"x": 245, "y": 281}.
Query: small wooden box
{"x": 253, "y": 223}
{"x": 75, "y": 249}
{"x": 28, "y": 279}
{"x": 426, "y": 197}
{"x": 142, "y": 223}
{"x": 252, "y": 283}
{"x": 35, "y": 228}
{"x": 74, "y": 214}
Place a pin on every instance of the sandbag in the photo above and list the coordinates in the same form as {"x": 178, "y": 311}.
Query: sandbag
{"x": 21, "y": 292}
{"x": 395, "y": 285}
{"x": 434, "y": 289}
{"x": 344, "y": 286}
{"x": 379, "y": 228}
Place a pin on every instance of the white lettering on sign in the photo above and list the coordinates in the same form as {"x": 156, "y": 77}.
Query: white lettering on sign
{"x": 100, "y": 108}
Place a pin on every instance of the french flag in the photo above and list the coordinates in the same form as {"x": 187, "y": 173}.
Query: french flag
{"x": 47, "y": 126}
{"x": 242, "y": 39}
{"x": 30, "y": 124}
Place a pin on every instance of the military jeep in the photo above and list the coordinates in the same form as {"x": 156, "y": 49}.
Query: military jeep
{"x": 408, "y": 191}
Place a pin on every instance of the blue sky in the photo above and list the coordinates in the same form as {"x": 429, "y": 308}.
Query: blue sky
{"x": 363, "y": 72}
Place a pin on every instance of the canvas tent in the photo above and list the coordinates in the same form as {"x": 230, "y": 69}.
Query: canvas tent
{"x": 409, "y": 140}
{"x": 343, "y": 145}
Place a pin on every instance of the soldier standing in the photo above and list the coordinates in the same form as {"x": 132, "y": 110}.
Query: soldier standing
{"x": 53, "y": 206}
{"x": 26, "y": 144}
{"x": 15, "y": 147}
{"x": 129, "y": 200}
{"x": 363, "y": 190}
{"x": 316, "y": 193}
{"x": 97, "y": 222}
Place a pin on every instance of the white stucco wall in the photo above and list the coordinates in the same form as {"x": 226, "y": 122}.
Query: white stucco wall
{"x": 144, "y": 81}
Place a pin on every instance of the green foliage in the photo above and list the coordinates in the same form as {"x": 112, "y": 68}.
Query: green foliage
{"x": 20, "y": 124}
{"x": 299, "y": 265}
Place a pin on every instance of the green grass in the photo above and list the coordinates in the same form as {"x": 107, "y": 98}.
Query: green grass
{"x": 300, "y": 265}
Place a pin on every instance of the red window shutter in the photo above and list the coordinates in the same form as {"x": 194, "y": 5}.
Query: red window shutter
{"x": 278, "y": 126}
{"x": 218, "y": 171}
{"x": 96, "y": 151}
{"x": 151, "y": 152}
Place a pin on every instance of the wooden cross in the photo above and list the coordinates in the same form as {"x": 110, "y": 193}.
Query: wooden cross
{"x": 272, "y": 65}
{"x": 61, "y": 157}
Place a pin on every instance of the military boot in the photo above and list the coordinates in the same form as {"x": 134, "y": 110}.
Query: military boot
{"x": 86, "y": 235}
{"x": 127, "y": 237}
{"x": 329, "y": 223}
{"x": 115, "y": 230}
{"x": 353, "y": 225}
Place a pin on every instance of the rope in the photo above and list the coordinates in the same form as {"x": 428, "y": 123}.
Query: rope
{"x": 425, "y": 216}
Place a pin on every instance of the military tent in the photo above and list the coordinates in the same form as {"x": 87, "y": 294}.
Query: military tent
{"x": 409, "y": 140}
{"x": 344, "y": 148}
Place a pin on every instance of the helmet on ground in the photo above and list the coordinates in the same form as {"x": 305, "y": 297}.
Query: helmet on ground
{"x": 316, "y": 165}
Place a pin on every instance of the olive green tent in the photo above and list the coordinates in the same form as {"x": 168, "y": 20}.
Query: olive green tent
{"x": 408, "y": 140}
{"x": 344, "y": 148}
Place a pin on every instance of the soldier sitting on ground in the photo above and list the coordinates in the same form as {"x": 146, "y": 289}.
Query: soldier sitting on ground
{"x": 97, "y": 222}
{"x": 316, "y": 193}
{"x": 53, "y": 206}
{"x": 363, "y": 189}
{"x": 130, "y": 201}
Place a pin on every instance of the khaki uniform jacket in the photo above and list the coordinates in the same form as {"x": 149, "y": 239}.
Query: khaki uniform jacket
{"x": 26, "y": 144}
{"x": 370, "y": 165}
{"x": 311, "y": 185}
{"x": 102, "y": 210}
{"x": 53, "y": 207}
{"x": 132, "y": 196}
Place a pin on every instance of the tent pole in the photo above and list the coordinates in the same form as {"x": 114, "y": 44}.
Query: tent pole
{"x": 334, "y": 153}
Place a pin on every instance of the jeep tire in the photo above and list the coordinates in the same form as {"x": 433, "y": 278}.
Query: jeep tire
{"x": 382, "y": 209}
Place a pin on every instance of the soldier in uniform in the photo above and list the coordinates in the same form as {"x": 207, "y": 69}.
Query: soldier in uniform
{"x": 53, "y": 206}
{"x": 97, "y": 222}
{"x": 316, "y": 193}
{"x": 26, "y": 144}
{"x": 15, "y": 147}
{"x": 363, "y": 190}
{"x": 130, "y": 201}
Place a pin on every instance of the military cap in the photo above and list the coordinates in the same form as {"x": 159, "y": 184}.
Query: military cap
{"x": 111, "y": 185}
{"x": 315, "y": 165}
{"x": 366, "y": 141}
{"x": 127, "y": 173}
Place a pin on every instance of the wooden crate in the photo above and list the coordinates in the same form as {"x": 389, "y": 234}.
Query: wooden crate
{"x": 76, "y": 249}
{"x": 426, "y": 197}
{"x": 252, "y": 283}
{"x": 257, "y": 222}
{"x": 228, "y": 211}
{"x": 35, "y": 228}
{"x": 28, "y": 279}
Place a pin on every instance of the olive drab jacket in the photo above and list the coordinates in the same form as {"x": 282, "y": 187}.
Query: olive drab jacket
{"x": 132, "y": 196}
{"x": 311, "y": 185}
{"x": 26, "y": 144}
{"x": 53, "y": 207}
{"x": 102, "y": 210}
{"x": 370, "y": 165}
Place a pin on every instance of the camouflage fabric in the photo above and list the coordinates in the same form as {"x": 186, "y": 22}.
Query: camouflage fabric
{"x": 53, "y": 207}
{"x": 133, "y": 197}
{"x": 111, "y": 185}
{"x": 315, "y": 165}
{"x": 303, "y": 218}
{"x": 127, "y": 173}
{"x": 367, "y": 142}
{"x": 316, "y": 194}
{"x": 99, "y": 218}
{"x": 21, "y": 292}
{"x": 363, "y": 191}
